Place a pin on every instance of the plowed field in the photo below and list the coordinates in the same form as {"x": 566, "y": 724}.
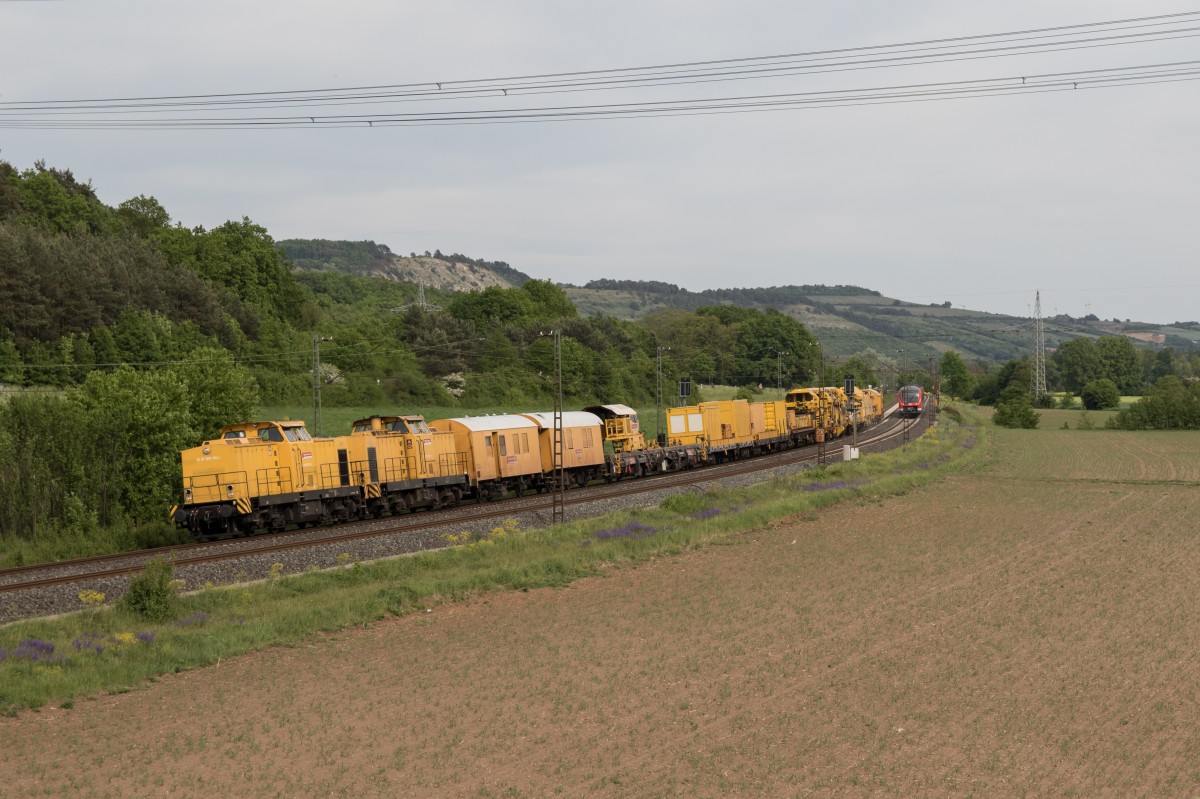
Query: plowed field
{"x": 1029, "y": 629}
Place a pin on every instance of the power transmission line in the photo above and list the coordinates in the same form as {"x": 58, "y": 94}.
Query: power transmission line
{"x": 954, "y": 90}
{"x": 697, "y": 69}
{"x": 114, "y": 113}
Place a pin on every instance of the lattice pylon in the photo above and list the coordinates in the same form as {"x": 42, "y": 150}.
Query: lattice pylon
{"x": 1039, "y": 350}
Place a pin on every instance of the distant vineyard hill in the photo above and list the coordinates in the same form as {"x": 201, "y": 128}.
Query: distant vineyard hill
{"x": 847, "y": 319}
{"x": 434, "y": 270}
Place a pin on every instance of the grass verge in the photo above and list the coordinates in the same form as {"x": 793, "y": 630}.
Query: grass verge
{"x": 105, "y": 649}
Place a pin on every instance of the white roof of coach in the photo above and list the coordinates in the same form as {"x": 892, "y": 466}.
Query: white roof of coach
{"x": 480, "y": 424}
{"x": 569, "y": 419}
{"x": 620, "y": 410}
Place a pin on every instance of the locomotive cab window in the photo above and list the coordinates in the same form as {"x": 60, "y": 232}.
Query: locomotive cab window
{"x": 270, "y": 434}
{"x": 234, "y": 434}
{"x": 398, "y": 426}
{"x": 420, "y": 427}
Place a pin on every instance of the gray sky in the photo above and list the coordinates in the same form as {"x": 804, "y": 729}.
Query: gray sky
{"x": 1089, "y": 195}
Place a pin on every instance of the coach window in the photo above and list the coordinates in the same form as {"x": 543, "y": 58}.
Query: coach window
{"x": 503, "y": 449}
{"x": 525, "y": 441}
{"x": 488, "y": 440}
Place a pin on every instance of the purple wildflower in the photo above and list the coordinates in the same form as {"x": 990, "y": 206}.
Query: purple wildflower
{"x": 90, "y": 640}
{"x": 707, "y": 514}
{"x": 34, "y": 645}
{"x": 199, "y": 617}
{"x": 35, "y": 651}
{"x": 627, "y": 530}
{"x": 146, "y": 637}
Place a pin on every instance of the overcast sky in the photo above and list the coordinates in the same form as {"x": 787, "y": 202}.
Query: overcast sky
{"x": 1088, "y": 195}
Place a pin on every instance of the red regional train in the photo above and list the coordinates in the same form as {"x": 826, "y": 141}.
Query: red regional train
{"x": 910, "y": 400}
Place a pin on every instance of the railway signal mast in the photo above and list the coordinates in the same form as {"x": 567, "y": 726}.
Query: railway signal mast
{"x": 560, "y": 481}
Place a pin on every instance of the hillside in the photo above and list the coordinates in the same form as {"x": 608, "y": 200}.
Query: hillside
{"x": 433, "y": 270}
{"x": 846, "y": 319}
{"x": 850, "y": 319}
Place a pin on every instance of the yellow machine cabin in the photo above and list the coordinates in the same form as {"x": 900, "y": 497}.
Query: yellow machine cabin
{"x": 405, "y": 448}
{"x": 404, "y": 464}
{"x": 621, "y": 427}
{"x": 255, "y": 459}
{"x": 261, "y": 474}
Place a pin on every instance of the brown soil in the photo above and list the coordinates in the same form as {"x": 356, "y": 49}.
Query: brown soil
{"x": 981, "y": 637}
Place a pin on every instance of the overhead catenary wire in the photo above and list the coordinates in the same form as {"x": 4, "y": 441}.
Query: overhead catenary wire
{"x": 1036, "y": 84}
{"x": 183, "y": 111}
{"x": 720, "y": 67}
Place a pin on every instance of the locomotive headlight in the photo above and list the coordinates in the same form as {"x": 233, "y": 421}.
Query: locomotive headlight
{"x": 207, "y": 449}
{"x": 229, "y": 491}
{"x": 187, "y": 495}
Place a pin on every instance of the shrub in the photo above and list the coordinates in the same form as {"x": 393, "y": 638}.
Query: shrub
{"x": 747, "y": 392}
{"x": 151, "y": 594}
{"x": 1100, "y": 394}
{"x": 1015, "y": 410}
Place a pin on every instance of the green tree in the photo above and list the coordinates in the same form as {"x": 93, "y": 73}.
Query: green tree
{"x": 1120, "y": 363}
{"x": 956, "y": 380}
{"x": 144, "y": 215}
{"x": 1013, "y": 373}
{"x": 1078, "y": 363}
{"x": 42, "y": 461}
{"x": 550, "y": 301}
{"x": 1014, "y": 409}
{"x": 856, "y": 365}
{"x": 10, "y": 361}
{"x": 1100, "y": 394}
{"x": 1170, "y": 405}
{"x": 219, "y": 391}
{"x": 493, "y": 305}
{"x": 136, "y": 423}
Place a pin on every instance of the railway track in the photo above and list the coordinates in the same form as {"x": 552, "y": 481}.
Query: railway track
{"x": 111, "y": 571}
